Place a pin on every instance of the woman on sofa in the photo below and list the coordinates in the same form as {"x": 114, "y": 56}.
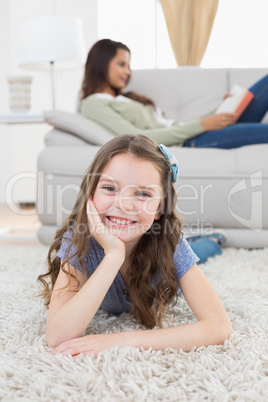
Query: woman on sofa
{"x": 107, "y": 72}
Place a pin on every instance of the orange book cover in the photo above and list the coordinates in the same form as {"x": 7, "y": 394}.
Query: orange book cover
{"x": 237, "y": 102}
{"x": 243, "y": 104}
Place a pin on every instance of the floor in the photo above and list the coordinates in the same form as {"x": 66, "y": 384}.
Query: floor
{"x": 18, "y": 227}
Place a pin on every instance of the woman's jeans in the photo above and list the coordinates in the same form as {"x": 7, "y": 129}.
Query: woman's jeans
{"x": 205, "y": 248}
{"x": 246, "y": 131}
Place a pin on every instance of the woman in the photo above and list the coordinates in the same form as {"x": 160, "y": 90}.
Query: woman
{"x": 107, "y": 73}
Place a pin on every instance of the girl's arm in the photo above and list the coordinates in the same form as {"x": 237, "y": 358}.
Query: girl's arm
{"x": 70, "y": 312}
{"x": 212, "y": 327}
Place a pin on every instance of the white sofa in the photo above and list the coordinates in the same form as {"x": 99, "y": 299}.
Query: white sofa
{"x": 217, "y": 188}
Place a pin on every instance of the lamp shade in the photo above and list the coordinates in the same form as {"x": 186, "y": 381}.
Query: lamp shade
{"x": 51, "y": 38}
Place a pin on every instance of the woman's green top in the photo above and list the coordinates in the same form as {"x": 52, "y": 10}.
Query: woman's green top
{"x": 131, "y": 117}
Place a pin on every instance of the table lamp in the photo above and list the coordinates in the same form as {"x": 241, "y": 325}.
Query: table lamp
{"x": 50, "y": 42}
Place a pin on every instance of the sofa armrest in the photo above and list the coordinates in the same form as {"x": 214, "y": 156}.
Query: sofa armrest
{"x": 60, "y": 138}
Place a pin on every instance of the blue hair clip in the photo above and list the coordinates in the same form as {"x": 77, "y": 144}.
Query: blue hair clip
{"x": 172, "y": 161}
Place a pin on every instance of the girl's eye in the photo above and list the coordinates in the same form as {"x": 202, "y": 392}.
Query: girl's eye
{"x": 143, "y": 194}
{"x": 109, "y": 188}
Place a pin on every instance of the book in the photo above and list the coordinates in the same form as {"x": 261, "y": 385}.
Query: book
{"x": 236, "y": 103}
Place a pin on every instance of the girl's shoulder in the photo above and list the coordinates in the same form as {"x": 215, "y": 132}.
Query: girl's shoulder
{"x": 68, "y": 236}
{"x": 94, "y": 253}
{"x": 184, "y": 257}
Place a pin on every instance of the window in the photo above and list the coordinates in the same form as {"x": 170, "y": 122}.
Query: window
{"x": 133, "y": 23}
{"x": 238, "y": 38}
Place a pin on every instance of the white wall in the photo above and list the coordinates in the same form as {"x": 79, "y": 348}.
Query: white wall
{"x": 20, "y": 144}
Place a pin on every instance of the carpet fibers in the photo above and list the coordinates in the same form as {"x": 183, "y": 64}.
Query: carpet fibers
{"x": 235, "y": 371}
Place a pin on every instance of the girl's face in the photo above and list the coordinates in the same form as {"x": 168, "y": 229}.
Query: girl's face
{"x": 119, "y": 70}
{"x": 128, "y": 196}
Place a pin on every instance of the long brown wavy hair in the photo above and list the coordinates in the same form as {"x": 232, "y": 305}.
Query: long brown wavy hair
{"x": 151, "y": 258}
{"x": 96, "y": 70}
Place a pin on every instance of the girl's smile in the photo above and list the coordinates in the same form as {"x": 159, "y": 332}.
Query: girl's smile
{"x": 119, "y": 222}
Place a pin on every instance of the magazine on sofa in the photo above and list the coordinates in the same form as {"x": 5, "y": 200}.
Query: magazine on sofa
{"x": 237, "y": 102}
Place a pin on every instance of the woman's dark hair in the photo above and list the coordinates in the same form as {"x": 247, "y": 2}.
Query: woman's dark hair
{"x": 96, "y": 70}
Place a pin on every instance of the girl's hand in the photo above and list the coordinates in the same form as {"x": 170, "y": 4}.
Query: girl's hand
{"x": 93, "y": 344}
{"x": 107, "y": 240}
{"x": 218, "y": 121}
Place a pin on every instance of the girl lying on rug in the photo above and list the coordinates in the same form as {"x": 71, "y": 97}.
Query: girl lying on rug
{"x": 122, "y": 249}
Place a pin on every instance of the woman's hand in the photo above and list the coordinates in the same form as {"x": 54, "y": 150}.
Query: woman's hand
{"x": 218, "y": 121}
{"x": 93, "y": 344}
{"x": 107, "y": 240}
{"x": 227, "y": 95}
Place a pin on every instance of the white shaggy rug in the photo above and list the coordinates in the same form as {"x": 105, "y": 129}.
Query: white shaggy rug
{"x": 236, "y": 371}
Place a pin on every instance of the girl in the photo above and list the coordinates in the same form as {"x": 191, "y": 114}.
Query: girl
{"x": 122, "y": 249}
{"x": 107, "y": 72}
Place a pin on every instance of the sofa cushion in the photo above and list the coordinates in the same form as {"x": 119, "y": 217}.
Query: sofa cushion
{"x": 78, "y": 125}
{"x": 183, "y": 93}
{"x": 216, "y": 187}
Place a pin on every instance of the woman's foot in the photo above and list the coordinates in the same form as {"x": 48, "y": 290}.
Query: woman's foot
{"x": 218, "y": 238}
